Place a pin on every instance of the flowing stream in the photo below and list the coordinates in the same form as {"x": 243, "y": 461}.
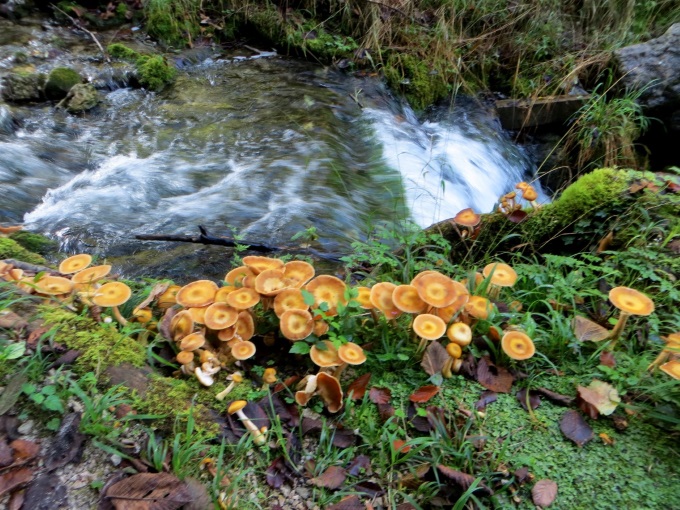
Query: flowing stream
{"x": 261, "y": 144}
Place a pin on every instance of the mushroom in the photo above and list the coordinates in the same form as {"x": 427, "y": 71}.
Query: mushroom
{"x": 289, "y": 299}
{"x": 459, "y": 333}
{"x": 517, "y": 345}
{"x": 468, "y": 219}
{"x": 428, "y": 327}
{"x": 235, "y": 378}
{"x": 455, "y": 352}
{"x": 381, "y": 298}
{"x": 234, "y": 278}
{"x": 327, "y": 357}
{"x": 198, "y": 314}
{"x": 181, "y": 325}
{"x": 192, "y": 342}
{"x": 185, "y": 357}
{"x": 437, "y": 289}
{"x": 113, "y": 294}
{"x": 197, "y": 294}
{"x": 406, "y": 298}
{"x": 478, "y": 307}
{"x": 51, "y": 285}
{"x": 204, "y": 378}
{"x": 244, "y": 329}
{"x": 350, "y": 354}
{"x": 84, "y": 279}
{"x": 306, "y": 389}
{"x": 168, "y": 298}
{"x": 75, "y": 263}
{"x": 269, "y": 377}
{"x": 298, "y": 273}
{"x": 502, "y": 275}
{"x": 243, "y": 350}
{"x": 327, "y": 289}
{"x": 364, "y": 300}
{"x": 236, "y": 407}
{"x": 271, "y": 282}
{"x": 529, "y": 194}
{"x": 259, "y": 264}
{"x": 296, "y": 324}
{"x": 672, "y": 347}
{"x": 321, "y": 327}
{"x": 630, "y": 302}
{"x": 219, "y": 316}
{"x": 672, "y": 368}
{"x": 329, "y": 389}
{"x": 223, "y": 292}
{"x": 243, "y": 298}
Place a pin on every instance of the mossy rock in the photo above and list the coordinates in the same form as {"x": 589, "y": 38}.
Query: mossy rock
{"x": 122, "y": 52}
{"x": 81, "y": 98}
{"x": 154, "y": 72}
{"x": 416, "y": 79}
{"x": 59, "y": 82}
{"x": 36, "y": 243}
{"x": 11, "y": 249}
{"x": 20, "y": 87}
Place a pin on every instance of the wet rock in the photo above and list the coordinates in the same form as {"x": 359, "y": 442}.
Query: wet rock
{"x": 60, "y": 81}
{"x": 19, "y": 87}
{"x": 654, "y": 68}
{"x": 81, "y": 98}
{"x": 15, "y": 9}
{"x": 8, "y": 123}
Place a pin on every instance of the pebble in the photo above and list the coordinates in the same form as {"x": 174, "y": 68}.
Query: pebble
{"x": 116, "y": 460}
{"x": 26, "y": 428}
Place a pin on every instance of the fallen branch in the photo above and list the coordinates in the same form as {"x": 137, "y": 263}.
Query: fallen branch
{"x": 76, "y": 23}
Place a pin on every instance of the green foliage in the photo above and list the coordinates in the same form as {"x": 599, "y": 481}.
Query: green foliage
{"x": 35, "y": 243}
{"x": 314, "y": 39}
{"x": 122, "y": 52}
{"x": 415, "y": 77}
{"x": 155, "y": 72}
{"x": 11, "y": 249}
{"x": 174, "y": 22}
{"x": 12, "y": 350}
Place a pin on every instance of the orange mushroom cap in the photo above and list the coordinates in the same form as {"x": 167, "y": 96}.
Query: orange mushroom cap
{"x": 258, "y": 264}
{"x": 52, "y": 285}
{"x": 467, "y": 218}
{"x": 428, "y": 326}
{"x": 517, "y": 345}
{"x": 271, "y": 282}
{"x": 529, "y": 193}
{"x": 181, "y": 325}
{"x": 631, "y": 301}
{"x": 298, "y": 273}
{"x": 351, "y": 354}
{"x": 501, "y": 274}
{"x": 245, "y": 326}
{"x": 329, "y": 389}
{"x": 112, "y": 294}
{"x": 406, "y": 298}
{"x": 459, "y": 333}
{"x": 192, "y": 342}
{"x": 364, "y": 298}
{"x": 327, "y": 289}
{"x": 185, "y": 357}
{"x": 454, "y": 350}
{"x": 437, "y": 289}
{"x": 479, "y": 307}
{"x": 243, "y": 350}
{"x": 198, "y": 313}
{"x": 223, "y": 292}
{"x": 169, "y": 297}
{"x": 198, "y": 293}
{"x": 325, "y": 357}
{"x": 289, "y": 299}
{"x": 219, "y": 316}
{"x": 381, "y": 298}
{"x": 235, "y": 277}
{"x": 75, "y": 263}
{"x": 91, "y": 274}
{"x": 321, "y": 327}
{"x": 243, "y": 298}
{"x": 226, "y": 334}
{"x": 672, "y": 368}
{"x": 296, "y": 324}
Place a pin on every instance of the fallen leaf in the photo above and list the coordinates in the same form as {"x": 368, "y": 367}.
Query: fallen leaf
{"x": 463, "y": 480}
{"x": 434, "y": 358}
{"x": 493, "y": 377}
{"x": 522, "y": 475}
{"x": 14, "y": 479}
{"x": 165, "y": 322}
{"x": 11, "y": 392}
{"x": 398, "y": 446}
{"x": 6, "y": 454}
{"x": 361, "y": 464}
{"x": 371, "y": 489}
{"x": 156, "y": 291}
{"x": 534, "y": 399}
{"x": 274, "y": 475}
{"x": 607, "y": 359}
{"x": 586, "y": 330}
{"x": 357, "y": 388}
{"x": 67, "y": 446}
{"x": 65, "y": 359}
{"x": 574, "y": 427}
{"x": 600, "y": 395}
{"x": 16, "y": 500}
{"x": 424, "y": 393}
{"x": 517, "y": 216}
{"x": 544, "y": 493}
{"x": 46, "y": 491}
{"x": 555, "y": 398}
{"x": 12, "y": 320}
{"x": 487, "y": 397}
{"x": 348, "y": 503}
{"x": 24, "y": 450}
{"x": 380, "y": 395}
{"x": 149, "y": 491}
{"x": 332, "y": 478}
{"x": 673, "y": 187}
{"x": 386, "y": 411}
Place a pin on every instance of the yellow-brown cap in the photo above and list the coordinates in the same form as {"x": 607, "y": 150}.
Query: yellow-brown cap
{"x": 198, "y": 293}
{"x": 220, "y": 316}
{"x": 631, "y": 301}
{"x": 351, "y": 353}
{"x": 243, "y": 298}
{"x": 501, "y": 274}
{"x": 296, "y": 324}
{"x": 243, "y": 350}
{"x": 517, "y": 345}
{"x": 327, "y": 357}
{"x": 112, "y": 294}
{"x": 428, "y": 326}
{"x": 75, "y": 263}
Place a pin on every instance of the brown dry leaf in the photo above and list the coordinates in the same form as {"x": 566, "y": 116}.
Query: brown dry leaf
{"x": 517, "y": 216}
{"x": 12, "y": 320}
{"x": 605, "y": 242}
{"x": 164, "y": 326}
{"x": 534, "y": 399}
{"x": 157, "y": 290}
{"x": 6, "y": 457}
{"x": 434, "y": 358}
{"x": 544, "y": 493}
{"x": 275, "y": 475}
{"x": 357, "y": 388}
{"x": 574, "y": 427}
{"x": 24, "y": 450}
{"x": 398, "y": 446}
{"x": 149, "y": 491}
{"x": 15, "y": 479}
{"x": 463, "y": 480}
{"x": 348, "y": 503}
{"x": 555, "y": 398}
{"x": 360, "y": 464}
{"x": 586, "y": 330}
{"x": 424, "y": 393}
{"x": 380, "y": 395}
{"x": 493, "y": 377}
{"x": 607, "y": 359}
{"x": 332, "y": 478}
{"x": 486, "y": 398}
{"x": 601, "y": 395}
{"x": 672, "y": 186}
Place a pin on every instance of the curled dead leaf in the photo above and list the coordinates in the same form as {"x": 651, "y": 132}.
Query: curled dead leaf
{"x": 544, "y": 493}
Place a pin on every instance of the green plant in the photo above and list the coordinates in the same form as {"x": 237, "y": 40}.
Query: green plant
{"x": 47, "y": 398}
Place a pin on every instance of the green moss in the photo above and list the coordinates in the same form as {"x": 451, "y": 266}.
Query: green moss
{"x": 174, "y": 22}
{"x": 101, "y": 345}
{"x": 154, "y": 72}
{"x": 59, "y": 82}
{"x": 267, "y": 23}
{"x": 36, "y": 243}
{"x": 11, "y": 249}
{"x": 417, "y": 78}
{"x": 122, "y": 52}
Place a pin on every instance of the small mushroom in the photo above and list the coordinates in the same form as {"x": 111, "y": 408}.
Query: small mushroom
{"x": 204, "y": 378}
{"x": 630, "y": 302}
{"x": 235, "y": 378}
{"x": 671, "y": 348}
{"x": 459, "y": 333}
{"x": 349, "y": 354}
{"x": 269, "y": 377}
{"x": 197, "y": 294}
{"x": 428, "y": 327}
{"x": 381, "y": 298}
{"x": 113, "y": 294}
{"x": 455, "y": 352}
{"x": 243, "y": 350}
{"x": 468, "y": 219}
{"x": 236, "y": 407}
{"x": 517, "y": 345}
{"x": 327, "y": 289}
{"x": 75, "y": 263}
{"x": 501, "y": 275}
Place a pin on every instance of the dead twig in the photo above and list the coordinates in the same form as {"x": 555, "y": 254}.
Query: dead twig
{"x": 76, "y": 23}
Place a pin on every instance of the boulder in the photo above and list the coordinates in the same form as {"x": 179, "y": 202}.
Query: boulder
{"x": 7, "y": 121}
{"x": 653, "y": 67}
{"x": 20, "y": 87}
{"x": 59, "y": 82}
{"x": 81, "y": 97}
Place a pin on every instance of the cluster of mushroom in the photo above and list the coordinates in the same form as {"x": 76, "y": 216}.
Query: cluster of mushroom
{"x": 77, "y": 280}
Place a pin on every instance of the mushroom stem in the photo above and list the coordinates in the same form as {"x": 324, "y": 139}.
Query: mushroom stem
{"x": 446, "y": 369}
{"x": 618, "y": 329}
{"x": 421, "y": 345}
{"x": 118, "y": 316}
{"x": 660, "y": 359}
{"x": 374, "y": 315}
{"x": 258, "y": 437}
{"x": 338, "y": 371}
{"x": 535, "y": 204}
{"x": 494, "y": 291}
{"x": 223, "y": 394}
